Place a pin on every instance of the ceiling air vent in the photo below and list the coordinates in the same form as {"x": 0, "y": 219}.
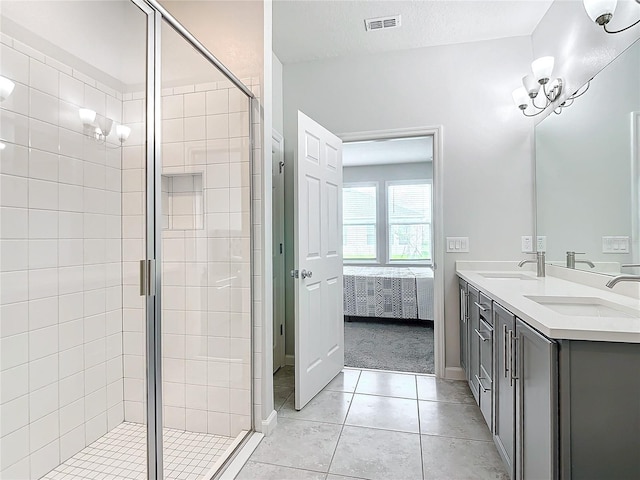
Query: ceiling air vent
{"x": 382, "y": 23}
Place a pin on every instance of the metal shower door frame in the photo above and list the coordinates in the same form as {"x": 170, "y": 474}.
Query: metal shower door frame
{"x": 153, "y": 227}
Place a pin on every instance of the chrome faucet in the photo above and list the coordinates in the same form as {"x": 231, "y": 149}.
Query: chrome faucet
{"x": 624, "y": 277}
{"x": 540, "y": 264}
{"x": 571, "y": 260}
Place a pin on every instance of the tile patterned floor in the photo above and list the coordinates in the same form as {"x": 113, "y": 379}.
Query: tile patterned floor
{"x": 121, "y": 454}
{"x": 377, "y": 426}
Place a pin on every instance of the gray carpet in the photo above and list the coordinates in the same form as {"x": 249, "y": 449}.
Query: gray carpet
{"x": 389, "y": 345}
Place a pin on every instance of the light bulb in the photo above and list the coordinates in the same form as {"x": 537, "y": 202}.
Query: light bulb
{"x": 123, "y": 132}
{"x": 87, "y": 116}
{"x": 6, "y": 88}
{"x": 600, "y": 11}
{"x": 542, "y": 69}
{"x": 520, "y": 98}
{"x": 531, "y": 85}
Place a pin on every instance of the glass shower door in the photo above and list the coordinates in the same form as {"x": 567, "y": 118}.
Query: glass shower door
{"x": 73, "y": 137}
{"x": 205, "y": 261}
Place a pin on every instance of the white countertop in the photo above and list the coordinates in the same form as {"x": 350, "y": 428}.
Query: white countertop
{"x": 510, "y": 293}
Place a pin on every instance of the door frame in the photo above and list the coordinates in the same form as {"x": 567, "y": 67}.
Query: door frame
{"x": 436, "y": 132}
{"x": 278, "y": 202}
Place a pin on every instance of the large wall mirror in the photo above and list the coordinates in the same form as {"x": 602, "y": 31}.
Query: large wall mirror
{"x": 587, "y": 161}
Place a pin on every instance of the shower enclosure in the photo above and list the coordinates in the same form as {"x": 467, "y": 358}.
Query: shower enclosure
{"x": 125, "y": 245}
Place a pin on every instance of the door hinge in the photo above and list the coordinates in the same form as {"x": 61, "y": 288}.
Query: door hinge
{"x": 147, "y": 278}
{"x": 280, "y": 167}
{"x": 281, "y": 247}
{"x": 281, "y": 329}
{"x": 295, "y": 273}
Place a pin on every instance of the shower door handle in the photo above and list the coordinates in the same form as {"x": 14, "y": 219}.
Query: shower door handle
{"x": 147, "y": 278}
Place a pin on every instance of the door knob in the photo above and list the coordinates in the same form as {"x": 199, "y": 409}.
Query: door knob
{"x": 306, "y": 273}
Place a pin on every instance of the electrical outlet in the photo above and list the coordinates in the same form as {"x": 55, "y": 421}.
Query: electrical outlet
{"x": 541, "y": 243}
{"x": 527, "y": 244}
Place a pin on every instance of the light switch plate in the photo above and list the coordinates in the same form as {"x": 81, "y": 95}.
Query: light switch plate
{"x": 457, "y": 244}
{"x": 615, "y": 244}
{"x": 527, "y": 244}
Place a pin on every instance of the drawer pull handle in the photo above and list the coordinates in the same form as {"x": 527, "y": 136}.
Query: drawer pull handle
{"x": 480, "y": 306}
{"x": 482, "y": 337}
{"x": 513, "y": 342}
{"x": 484, "y": 389}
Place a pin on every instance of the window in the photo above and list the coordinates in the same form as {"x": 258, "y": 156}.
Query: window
{"x": 409, "y": 221}
{"x": 359, "y": 222}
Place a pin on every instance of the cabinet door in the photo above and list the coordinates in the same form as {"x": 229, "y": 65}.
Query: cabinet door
{"x": 464, "y": 331}
{"x": 474, "y": 342}
{"x": 537, "y": 404}
{"x": 505, "y": 398}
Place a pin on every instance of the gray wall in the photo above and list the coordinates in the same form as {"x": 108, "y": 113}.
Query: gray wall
{"x": 487, "y": 142}
{"x": 380, "y": 174}
{"x": 278, "y": 119}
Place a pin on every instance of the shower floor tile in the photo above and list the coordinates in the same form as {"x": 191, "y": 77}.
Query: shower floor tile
{"x": 121, "y": 454}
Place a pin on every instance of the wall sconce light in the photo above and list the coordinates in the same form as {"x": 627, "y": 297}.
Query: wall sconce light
{"x": 122, "y": 132}
{"x": 601, "y": 12}
{"x": 541, "y": 68}
{"x": 100, "y": 127}
{"x": 6, "y": 88}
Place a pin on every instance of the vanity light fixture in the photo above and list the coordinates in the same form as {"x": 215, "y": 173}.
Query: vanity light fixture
{"x": 6, "y": 88}
{"x": 601, "y": 12}
{"x": 100, "y": 126}
{"x": 541, "y": 68}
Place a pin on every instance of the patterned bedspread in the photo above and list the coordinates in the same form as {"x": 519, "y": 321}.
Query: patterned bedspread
{"x": 389, "y": 292}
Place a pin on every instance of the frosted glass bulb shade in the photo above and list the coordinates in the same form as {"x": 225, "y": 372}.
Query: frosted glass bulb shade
{"x": 600, "y": 11}
{"x": 6, "y": 88}
{"x": 531, "y": 85}
{"x": 123, "y": 132}
{"x": 520, "y": 98}
{"x": 542, "y": 69}
{"x": 87, "y": 116}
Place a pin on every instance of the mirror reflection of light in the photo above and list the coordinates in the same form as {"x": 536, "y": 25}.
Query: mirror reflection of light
{"x": 6, "y": 88}
{"x": 2, "y": 146}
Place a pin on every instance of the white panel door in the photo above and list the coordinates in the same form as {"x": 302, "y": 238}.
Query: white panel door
{"x": 319, "y": 322}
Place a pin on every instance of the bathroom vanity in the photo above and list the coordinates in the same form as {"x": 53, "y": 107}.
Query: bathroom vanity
{"x": 555, "y": 368}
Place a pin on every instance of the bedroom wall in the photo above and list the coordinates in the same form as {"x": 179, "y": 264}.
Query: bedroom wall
{"x": 487, "y": 157}
{"x": 381, "y": 174}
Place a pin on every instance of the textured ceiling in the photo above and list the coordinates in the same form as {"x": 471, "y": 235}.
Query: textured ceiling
{"x": 306, "y": 30}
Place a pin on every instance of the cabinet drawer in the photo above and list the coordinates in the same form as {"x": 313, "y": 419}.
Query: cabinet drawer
{"x": 485, "y": 336}
{"x": 486, "y": 397}
{"x": 486, "y": 311}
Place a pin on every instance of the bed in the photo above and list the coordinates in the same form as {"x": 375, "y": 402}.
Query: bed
{"x": 389, "y": 292}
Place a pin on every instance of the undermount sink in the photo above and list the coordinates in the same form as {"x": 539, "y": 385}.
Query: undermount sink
{"x": 584, "y": 306}
{"x": 507, "y": 276}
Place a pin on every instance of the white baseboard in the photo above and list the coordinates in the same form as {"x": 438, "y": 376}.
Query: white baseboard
{"x": 290, "y": 360}
{"x": 270, "y": 423}
{"x": 454, "y": 373}
{"x": 241, "y": 458}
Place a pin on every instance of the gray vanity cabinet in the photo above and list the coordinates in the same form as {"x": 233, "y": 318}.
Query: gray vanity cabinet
{"x": 504, "y": 431}
{"x": 474, "y": 342}
{"x": 464, "y": 328}
{"x": 535, "y": 366}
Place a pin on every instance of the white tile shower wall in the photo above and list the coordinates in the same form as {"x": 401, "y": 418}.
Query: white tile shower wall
{"x": 206, "y": 290}
{"x": 61, "y": 377}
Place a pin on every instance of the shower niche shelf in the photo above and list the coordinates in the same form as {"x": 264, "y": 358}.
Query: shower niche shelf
{"x": 182, "y": 201}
